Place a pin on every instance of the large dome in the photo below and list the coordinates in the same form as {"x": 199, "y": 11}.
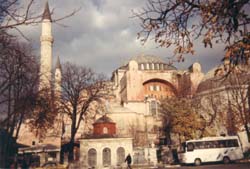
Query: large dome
{"x": 147, "y": 59}
{"x": 144, "y": 59}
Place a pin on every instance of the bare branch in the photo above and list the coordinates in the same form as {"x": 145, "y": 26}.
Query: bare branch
{"x": 179, "y": 23}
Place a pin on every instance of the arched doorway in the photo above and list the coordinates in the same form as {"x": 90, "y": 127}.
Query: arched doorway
{"x": 120, "y": 155}
{"x": 92, "y": 157}
{"x": 106, "y": 157}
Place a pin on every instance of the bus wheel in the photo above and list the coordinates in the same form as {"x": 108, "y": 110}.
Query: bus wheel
{"x": 197, "y": 162}
{"x": 226, "y": 160}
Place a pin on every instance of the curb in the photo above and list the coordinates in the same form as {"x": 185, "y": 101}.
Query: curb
{"x": 171, "y": 166}
{"x": 244, "y": 160}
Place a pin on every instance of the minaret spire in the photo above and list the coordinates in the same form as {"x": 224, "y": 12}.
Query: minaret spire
{"x": 46, "y": 13}
{"x": 58, "y": 63}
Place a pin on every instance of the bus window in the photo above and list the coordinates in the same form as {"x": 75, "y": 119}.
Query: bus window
{"x": 190, "y": 147}
{"x": 198, "y": 145}
{"x": 235, "y": 143}
{"x": 232, "y": 143}
{"x": 222, "y": 143}
{"x": 214, "y": 144}
{"x": 206, "y": 144}
{"x": 210, "y": 144}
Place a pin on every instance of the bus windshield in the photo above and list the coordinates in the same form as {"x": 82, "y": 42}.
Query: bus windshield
{"x": 182, "y": 147}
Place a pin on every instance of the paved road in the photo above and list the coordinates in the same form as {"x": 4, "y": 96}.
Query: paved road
{"x": 216, "y": 166}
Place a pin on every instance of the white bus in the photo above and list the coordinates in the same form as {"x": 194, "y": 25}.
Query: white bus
{"x": 211, "y": 149}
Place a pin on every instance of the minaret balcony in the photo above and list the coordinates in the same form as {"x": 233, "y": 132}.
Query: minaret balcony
{"x": 46, "y": 38}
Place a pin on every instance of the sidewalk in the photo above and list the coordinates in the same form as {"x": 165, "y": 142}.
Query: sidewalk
{"x": 163, "y": 166}
{"x": 156, "y": 166}
{"x": 144, "y": 166}
{"x": 244, "y": 160}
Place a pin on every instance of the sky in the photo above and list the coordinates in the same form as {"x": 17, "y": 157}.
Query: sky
{"x": 103, "y": 35}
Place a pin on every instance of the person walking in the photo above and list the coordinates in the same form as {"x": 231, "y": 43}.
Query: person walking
{"x": 129, "y": 161}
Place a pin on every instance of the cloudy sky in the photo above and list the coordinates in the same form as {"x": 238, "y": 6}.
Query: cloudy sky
{"x": 102, "y": 35}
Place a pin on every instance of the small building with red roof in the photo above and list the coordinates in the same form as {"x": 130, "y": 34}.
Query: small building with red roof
{"x": 103, "y": 148}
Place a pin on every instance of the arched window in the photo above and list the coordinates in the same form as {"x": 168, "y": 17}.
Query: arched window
{"x": 153, "y": 107}
{"x": 153, "y": 66}
{"x": 150, "y": 66}
{"x": 105, "y": 130}
{"x": 161, "y": 66}
{"x": 106, "y": 157}
{"x": 120, "y": 155}
{"x": 157, "y": 66}
{"x": 142, "y": 66}
{"x": 92, "y": 157}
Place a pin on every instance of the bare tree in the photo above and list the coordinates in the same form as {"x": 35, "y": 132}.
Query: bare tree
{"x": 179, "y": 23}
{"x": 211, "y": 108}
{"x": 238, "y": 92}
{"x": 139, "y": 136}
{"x": 18, "y": 81}
{"x": 20, "y": 99}
{"x": 19, "y": 77}
{"x": 43, "y": 114}
{"x": 81, "y": 87}
{"x": 14, "y": 13}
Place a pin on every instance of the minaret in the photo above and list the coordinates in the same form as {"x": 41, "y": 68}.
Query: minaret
{"x": 46, "y": 50}
{"x": 58, "y": 79}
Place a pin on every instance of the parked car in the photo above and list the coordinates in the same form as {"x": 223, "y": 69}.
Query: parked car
{"x": 52, "y": 165}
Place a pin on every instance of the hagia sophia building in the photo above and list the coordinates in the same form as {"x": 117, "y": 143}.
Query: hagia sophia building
{"x": 133, "y": 111}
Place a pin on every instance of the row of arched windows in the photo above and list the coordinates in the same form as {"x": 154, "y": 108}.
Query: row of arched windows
{"x": 106, "y": 156}
{"x": 155, "y": 88}
{"x": 153, "y": 66}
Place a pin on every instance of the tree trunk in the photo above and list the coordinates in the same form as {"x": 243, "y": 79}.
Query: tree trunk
{"x": 19, "y": 125}
{"x": 71, "y": 151}
{"x": 7, "y": 149}
{"x": 179, "y": 136}
{"x": 248, "y": 113}
{"x": 72, "y": 138}
{"x": 168, "y": 139}
{"x": 73, "y": 133}
{"x": 248, "y": 133}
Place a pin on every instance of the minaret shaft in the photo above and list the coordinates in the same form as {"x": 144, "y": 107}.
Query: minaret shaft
{"x": 46, "y": 55}
{"x": 58, "y": 79}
